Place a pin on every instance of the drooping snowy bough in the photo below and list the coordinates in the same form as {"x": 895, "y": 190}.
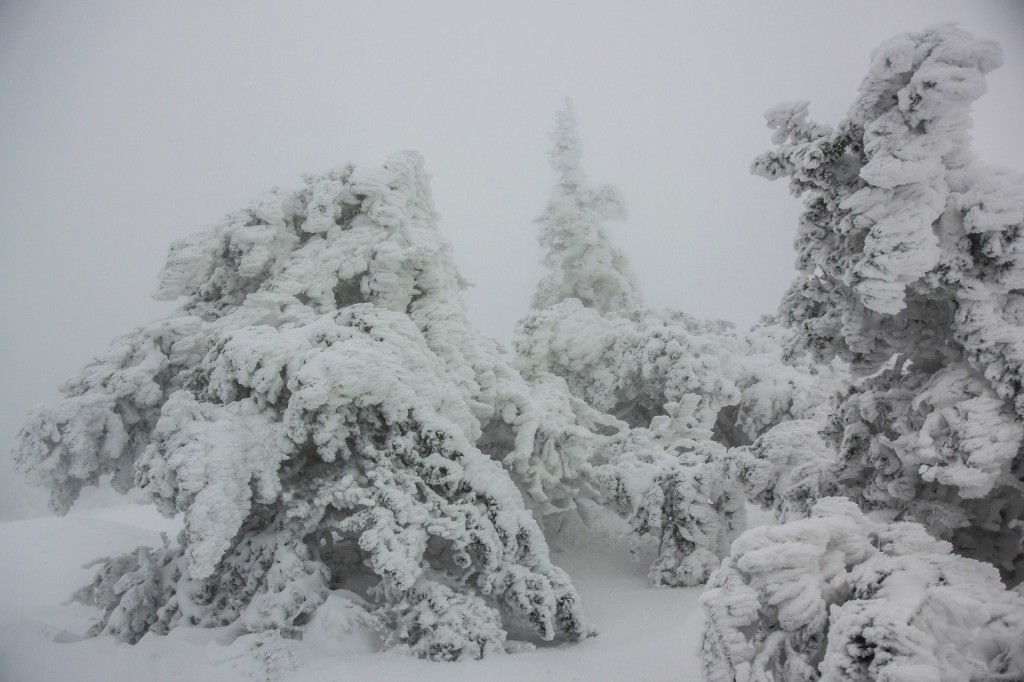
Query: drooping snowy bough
{"x": 325, "y": 417}
{"x": 912, "y": 271}
{"x": 837, "y": 597}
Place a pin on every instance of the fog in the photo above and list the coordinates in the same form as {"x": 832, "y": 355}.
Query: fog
{"x": 124, "y": 125}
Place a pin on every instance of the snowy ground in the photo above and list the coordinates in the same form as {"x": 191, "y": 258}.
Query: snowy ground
{"x": 646, "y": 634}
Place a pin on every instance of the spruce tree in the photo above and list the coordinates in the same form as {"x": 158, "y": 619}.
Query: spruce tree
{"x": 324, "y": 416}
{"x": 684, "y": 388}
{"x": 582, "y": 263}
{"x": 838, "y": 597}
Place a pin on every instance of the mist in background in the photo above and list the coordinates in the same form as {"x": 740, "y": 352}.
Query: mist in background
{"x": 126, "y": 125}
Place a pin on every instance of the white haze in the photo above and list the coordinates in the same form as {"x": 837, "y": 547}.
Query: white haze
{"x": 125, "y": 125}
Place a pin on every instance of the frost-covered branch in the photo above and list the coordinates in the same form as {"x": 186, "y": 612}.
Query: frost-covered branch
{"x": 837, "y": 597}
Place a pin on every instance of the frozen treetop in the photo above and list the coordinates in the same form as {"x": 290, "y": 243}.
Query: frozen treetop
{"x": 567, "y": 151}
{"x": 911, "y": 116}
{"x": 583, "y": 263}
{"x": 901, "y": 228}
{"x": 352, "y": 235}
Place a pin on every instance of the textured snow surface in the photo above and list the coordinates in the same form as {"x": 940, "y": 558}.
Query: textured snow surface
{"x": 646, "y": 634}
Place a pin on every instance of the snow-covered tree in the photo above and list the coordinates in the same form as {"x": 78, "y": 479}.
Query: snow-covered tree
{"x": 632, "y": 364}
{"x": 788, "y": 469}
{"x": 325, "y": 417}
{"x": 590, "y": 327}
{"x": 582, "y": 262}
{"x": 659, "y": 466}
{"x": 685, "y": 388}
{"x": 675, "y": 485}
{"x": 839, "y": 598}
{"x": 658, "y": 376}
{"x": 911, "y": 270}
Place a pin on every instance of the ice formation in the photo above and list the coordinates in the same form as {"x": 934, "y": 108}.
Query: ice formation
{"x": 911, "y": 270}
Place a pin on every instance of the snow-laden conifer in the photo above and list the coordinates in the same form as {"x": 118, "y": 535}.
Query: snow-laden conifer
{"x": 788, "y": 469}
{"x": 837, "y": 597}
{"x": 324, "y": 416}
{"x": 641, "y": 369}
{"x": 677, "y": 486}
{"x": 582, "y": 263}
{"x": 911, "y": 270}
{"x": 630, "y": 360}
{"x": 685, "y": 388}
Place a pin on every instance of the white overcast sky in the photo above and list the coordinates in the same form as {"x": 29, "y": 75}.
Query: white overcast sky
{"x": 124, "y": 125}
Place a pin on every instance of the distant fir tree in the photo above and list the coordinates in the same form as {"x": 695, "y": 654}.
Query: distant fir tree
{"x": 589, "y": 326}
{"x": 685, "y": 389}
{"x": 582, "y": 263}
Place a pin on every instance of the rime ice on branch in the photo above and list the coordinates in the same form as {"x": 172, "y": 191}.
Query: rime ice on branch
{"x": 837, "y": 597}
{"x": 325, "y": 417}
{"x": 909, "y": 248}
